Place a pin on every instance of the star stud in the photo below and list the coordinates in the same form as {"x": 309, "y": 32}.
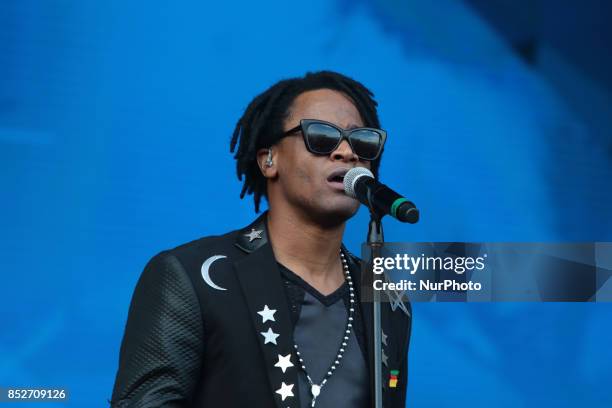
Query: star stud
{"x": 286, "y": 390}
{"x": 269, "y": 336}
{"x": 384, "y": 338}
{"x": 384, "y": 358}
{"x": 254, "y": 234}
{"x": 284, "y": 362}
{"x": 267, "y": 314}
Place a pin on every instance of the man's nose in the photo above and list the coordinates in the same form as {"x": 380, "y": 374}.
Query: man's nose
{"x": 344, "y": 152}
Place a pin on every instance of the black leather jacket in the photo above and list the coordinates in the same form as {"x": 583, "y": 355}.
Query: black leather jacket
{"x": 193, "y": 338}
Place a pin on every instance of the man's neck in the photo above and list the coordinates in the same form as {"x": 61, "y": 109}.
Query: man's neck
{"x": 308, "y": 249}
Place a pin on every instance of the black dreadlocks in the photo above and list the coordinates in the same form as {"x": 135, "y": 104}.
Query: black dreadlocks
{"x": 261, "y": 125}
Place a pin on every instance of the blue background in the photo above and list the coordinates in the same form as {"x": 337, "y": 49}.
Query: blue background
{"x": 115, "y": 120}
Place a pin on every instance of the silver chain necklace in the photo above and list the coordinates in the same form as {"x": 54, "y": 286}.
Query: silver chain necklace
{"x": 315, "y": 389}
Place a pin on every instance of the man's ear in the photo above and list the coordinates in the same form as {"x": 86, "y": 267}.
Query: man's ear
{"x": 266, "y": 160}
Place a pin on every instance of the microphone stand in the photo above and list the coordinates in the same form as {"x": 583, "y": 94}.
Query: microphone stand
{"x": 375, "y": 243}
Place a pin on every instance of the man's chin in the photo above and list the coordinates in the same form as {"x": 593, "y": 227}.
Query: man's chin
{"x": 334, "y": 215}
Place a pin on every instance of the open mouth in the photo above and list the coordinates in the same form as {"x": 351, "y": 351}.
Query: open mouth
{"x": 336, "y": 178}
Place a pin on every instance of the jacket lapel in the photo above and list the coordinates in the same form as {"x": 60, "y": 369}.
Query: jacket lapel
{"x": 367, "y": 319}
{"x": 263, "y": 290}
{"x": 395, "y": 328}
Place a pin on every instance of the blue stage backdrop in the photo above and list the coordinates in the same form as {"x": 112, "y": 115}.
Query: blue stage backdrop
{"x": 115, "y": 120}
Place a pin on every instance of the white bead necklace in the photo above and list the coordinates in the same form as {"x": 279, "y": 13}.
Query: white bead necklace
{"x": 315, "y": 389}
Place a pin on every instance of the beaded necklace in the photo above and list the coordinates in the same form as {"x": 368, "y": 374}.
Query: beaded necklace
{"x": 315, "y": 389}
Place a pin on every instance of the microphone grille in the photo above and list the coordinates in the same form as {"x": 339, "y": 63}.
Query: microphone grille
{"x": 351, "y": 176}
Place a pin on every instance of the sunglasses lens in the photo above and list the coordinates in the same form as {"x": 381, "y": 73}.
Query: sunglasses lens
{"x": 366, "y": 143}
{"x": 322, "y": 138}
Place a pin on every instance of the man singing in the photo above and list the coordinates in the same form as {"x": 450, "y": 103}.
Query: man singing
{"x": 270, "y": 315}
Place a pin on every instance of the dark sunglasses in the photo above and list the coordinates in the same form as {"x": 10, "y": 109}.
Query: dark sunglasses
{"x": 323, "y": 138}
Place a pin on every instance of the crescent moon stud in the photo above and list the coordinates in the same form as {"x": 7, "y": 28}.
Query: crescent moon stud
{"x": 206, "y": 271}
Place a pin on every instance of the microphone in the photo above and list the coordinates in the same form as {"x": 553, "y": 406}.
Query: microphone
{"x": 360, "y": 183}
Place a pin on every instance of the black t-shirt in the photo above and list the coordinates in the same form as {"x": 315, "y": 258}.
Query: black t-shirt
{"x": 319, "y": 322}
